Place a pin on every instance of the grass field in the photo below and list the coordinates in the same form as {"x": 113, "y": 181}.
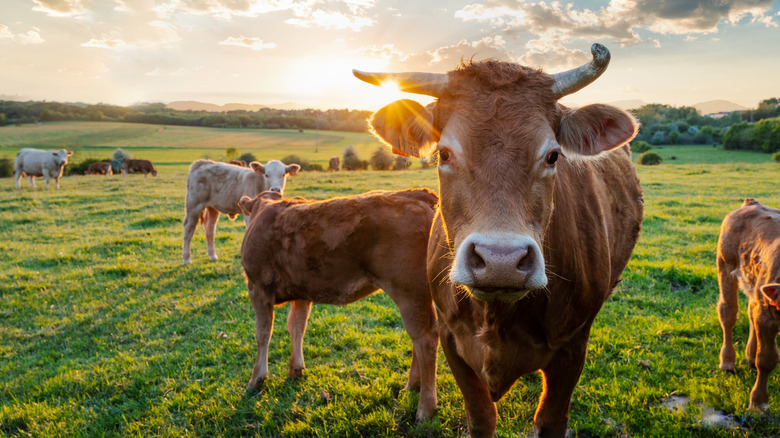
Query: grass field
{"x": 103, "y": 332}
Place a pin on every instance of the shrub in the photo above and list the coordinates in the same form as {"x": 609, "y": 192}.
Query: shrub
{"x": 649, "y": 158}
{"x": 640, "y": 146}
{"x": 381, "y": 159}
{"x": 738, "y": 136}
{"x": 117, "y": 158}
{"x": 350, "y": 160}
{"x": 231, "y": 154}
{"x": 248, "y": 157}
{"x": 775, "y": 157}
{"x": 401, "y": 162}
{"x": 292, "y": 158}
{"x": 6, "y": 168}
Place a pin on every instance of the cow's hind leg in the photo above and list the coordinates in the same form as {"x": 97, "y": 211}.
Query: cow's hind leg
{"x": 32, "y": 180}
{"x": 190, "y": 223}
{"x": 296, "y": 325}
{"x": 480, "y": 410}
{"x": 751, "y": 347}
{"x": 766, "y": 357}
{"x": 210, "y": 226}
{"x": 264, "y": 325}
{"x": 727, "y": 313}
{"x": 560, "y": 378}
{"x": 17, "y": 177}
{"x": 419, "y": 319}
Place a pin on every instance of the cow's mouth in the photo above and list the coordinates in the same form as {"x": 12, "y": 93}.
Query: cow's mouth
{"x": 503, "y": 294}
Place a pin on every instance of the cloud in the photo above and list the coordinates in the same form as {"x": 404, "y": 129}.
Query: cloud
{"x": 331, "y": 20}
{"x": 251, "y": 43}
{"x": 386, "y": 52}
{"x": 29, "y": 37}
{"x": 104, "y": 43}
{"x": 443, "y": 58}
{"x": 59, "y": 8}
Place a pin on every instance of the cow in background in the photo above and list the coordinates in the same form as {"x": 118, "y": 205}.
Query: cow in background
{"x": 214, "y": 187}
{"x": 540, "y": 210}
{"x": 141, "y": 166}
{"x": 749, "y": 259}
{"x": 99, "y": 168}
{"x": 336, "y": 252}
{"x": 241, "y": 163}
{"x": 37, "y": 162}
{"x": 333, "y": 164}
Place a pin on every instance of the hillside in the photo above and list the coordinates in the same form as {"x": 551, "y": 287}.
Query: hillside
{"x": 191, "y": 105}
{"x": 718, "y": 106}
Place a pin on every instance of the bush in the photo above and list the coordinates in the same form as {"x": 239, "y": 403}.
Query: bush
{"x": 248, "y": 157}
{"x": 381, "y": 159}
{"x": 775, "y": 157}
{"x": 117, "y": 158}
{"x": 292, "y": 158}
{"x": 350, "y": 160}
{"x": 640, "y": 146}
{"x": 6, "y": 168}
{"x": 231, "y": 154}
{"x": 78, "y": 168}
{"x": 649, "y": 158}
{"x": 738, "y": 136}
{"x": 401, "y": 162}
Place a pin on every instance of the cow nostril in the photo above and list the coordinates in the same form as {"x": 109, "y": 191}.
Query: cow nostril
{"x": 475, "y": 260}
{"x": 276, "y": 189}
{"x": 526, "y": 262}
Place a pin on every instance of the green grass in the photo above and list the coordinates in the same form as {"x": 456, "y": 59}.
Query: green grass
{"x": 103, "y": 332}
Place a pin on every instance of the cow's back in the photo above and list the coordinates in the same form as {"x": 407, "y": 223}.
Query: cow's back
{"x": 218, "y": 185}
{"x": 33, "y": 161}
{"x": 750, "y": 240}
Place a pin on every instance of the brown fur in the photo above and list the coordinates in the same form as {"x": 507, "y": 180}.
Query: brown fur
{"x": 336, "y": 252}
{"x": 241, "y": 163}
{"x": 100, "y": 168}
{"x": 585, "y": 218}
{"x": 749, "y": 259}
{"x": 140, "y": 166}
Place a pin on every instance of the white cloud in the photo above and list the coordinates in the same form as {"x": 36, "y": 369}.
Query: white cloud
{"x": 386, "y": 52}
{"x": 59, "y": 8}
{"x": 251, "y": 43}
{"x": 104, "y": 43}
{"x": 5, "y": 32}
{"x": 29, "y": 37}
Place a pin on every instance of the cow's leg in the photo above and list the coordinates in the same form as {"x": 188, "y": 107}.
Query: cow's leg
{"x": 480, "y": 410}
{"x": 46, "y": 178}
{"x": 210, "y": 226}
{"x": 246, "y": 218}
{"x": 559, "y": 379}
{"x": 766, "y": 358}
{"x": 191, "y": 218}
{"x": 57, "y": 181}
{"x": 264, "y": 326}
{"x": 17, "y": 177}
{"x": 32, "y": 180}
{"x": 296, "y": 325}
{"x": 419, "y": 319}
{"x": 751, "y": 347}
{"x": 727, "y": 313}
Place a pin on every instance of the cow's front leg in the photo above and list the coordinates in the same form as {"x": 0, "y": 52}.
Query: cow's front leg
{"x": 46, "y": 178}
{"x": 481, "y": 412}
{"x": 17, "y": 177}
{"x": 751, "y": 347}
{"x": 727, "y": 314}
{"x": 210, "y": 219}
{"x": 296, "y": 325}
{"x": 264, "y": 326}
{"x": 559, "y": 378}
{"x": 419, "y": 319}
{"x": 766, "y": 357}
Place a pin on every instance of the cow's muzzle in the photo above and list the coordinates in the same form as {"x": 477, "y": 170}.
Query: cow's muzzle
{"x": 503, "y": 267}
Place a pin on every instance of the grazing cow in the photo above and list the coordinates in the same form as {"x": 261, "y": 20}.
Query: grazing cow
{"x": 241, "y": 163}
{"x": 100, "y": 168}
{"x": 333, "y": 164}
{"x": 131, "y": 165}
{"x": 536, "y": 222}
{"x": 214, "y": 187}
{"x": 37, "y": 162}
{"x": 336, "y": 252}
{"x": 749, "y": 259}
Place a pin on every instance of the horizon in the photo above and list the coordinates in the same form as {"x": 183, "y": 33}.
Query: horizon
{"x": 125, "y": 52}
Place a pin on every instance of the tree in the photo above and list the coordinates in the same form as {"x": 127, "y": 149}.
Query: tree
{"x": 248, "y": 157}
{"x": 2, "y": 119}
{"x": 351, "y": 161}
{"x": 766, "y": 135}
{"x": 381, "y": 159}
{"x": 231, "y": 153}
{"x": 117, "y": 158}
{"x": 738, "y": 136}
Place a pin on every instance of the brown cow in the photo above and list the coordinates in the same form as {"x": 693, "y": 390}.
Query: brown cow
{"x": 337, "y": 252}
{"x": 516, "y": 282}
{"x": 99, "y": 168}
{"x": 241, "y": 163}
{"x": 749, "y": 259}
{"x": 333, "y": 164}
{"x": 131, "y": 165}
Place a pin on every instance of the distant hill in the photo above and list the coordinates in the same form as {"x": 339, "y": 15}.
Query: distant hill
{"x": 718, "y": 106}
{"x": 628, "y": 104}
{"x": 191, "y": 105}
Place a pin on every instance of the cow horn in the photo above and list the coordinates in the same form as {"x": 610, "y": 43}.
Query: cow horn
{"x": 570, "y": 81}
{"x": 430, "y": 84}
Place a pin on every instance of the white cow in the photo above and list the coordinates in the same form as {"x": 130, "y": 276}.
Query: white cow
{"x": 214, "y": 187}
{"x": 37, "y": 162}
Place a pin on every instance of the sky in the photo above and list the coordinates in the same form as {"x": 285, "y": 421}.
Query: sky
{"x": 124, "y": 52}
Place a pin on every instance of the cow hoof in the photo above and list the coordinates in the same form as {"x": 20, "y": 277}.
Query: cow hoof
{"x": 213, "y": 258}
{"x": 295, "y": 373}
{"x": 187, "y": 261}
{"x": 256, "y": 385}
{"x": 727, "y": 367}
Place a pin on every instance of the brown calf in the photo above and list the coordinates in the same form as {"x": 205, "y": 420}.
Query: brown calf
{"x": 131, "y": 165}
{"x": 337, "y": 252}
{"x": 100, "y": 168}
{"x": 749, "y": 259}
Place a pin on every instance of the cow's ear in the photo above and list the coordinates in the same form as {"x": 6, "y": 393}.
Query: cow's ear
{"x": 771, "y": 291}
{"x": 246, "y": 203}
{"x": 595, "y": 128}
{"x": 407, "y": 127}
{"x": 70, "y": 153}
{"x": 257, "y": 167}
{"x": 292, "y": 169}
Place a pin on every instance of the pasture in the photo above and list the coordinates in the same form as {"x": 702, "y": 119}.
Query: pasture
{"x": 103, "y": 331}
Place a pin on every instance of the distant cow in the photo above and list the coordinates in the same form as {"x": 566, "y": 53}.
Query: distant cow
{"x": 241, "y": 163}
{"x": 333, "y": 164}
{"x": 337, "y": 252}
{"x": 36, "y": 162}
{"x": 131, "y": 165}
{"x": 748, "y": 259}
{"x": 100, "y": 168}
{"x": 214, "y": 187}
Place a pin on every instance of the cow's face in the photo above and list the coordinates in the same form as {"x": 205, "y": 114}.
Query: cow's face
{"x": 273, "y": 175}
{"x": 61, "y": 156}
{"x": 499, "y": 141}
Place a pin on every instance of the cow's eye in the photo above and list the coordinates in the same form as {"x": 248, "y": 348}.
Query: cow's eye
{"x": 552, "y": 157}
{"x": 445, "y": 154}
